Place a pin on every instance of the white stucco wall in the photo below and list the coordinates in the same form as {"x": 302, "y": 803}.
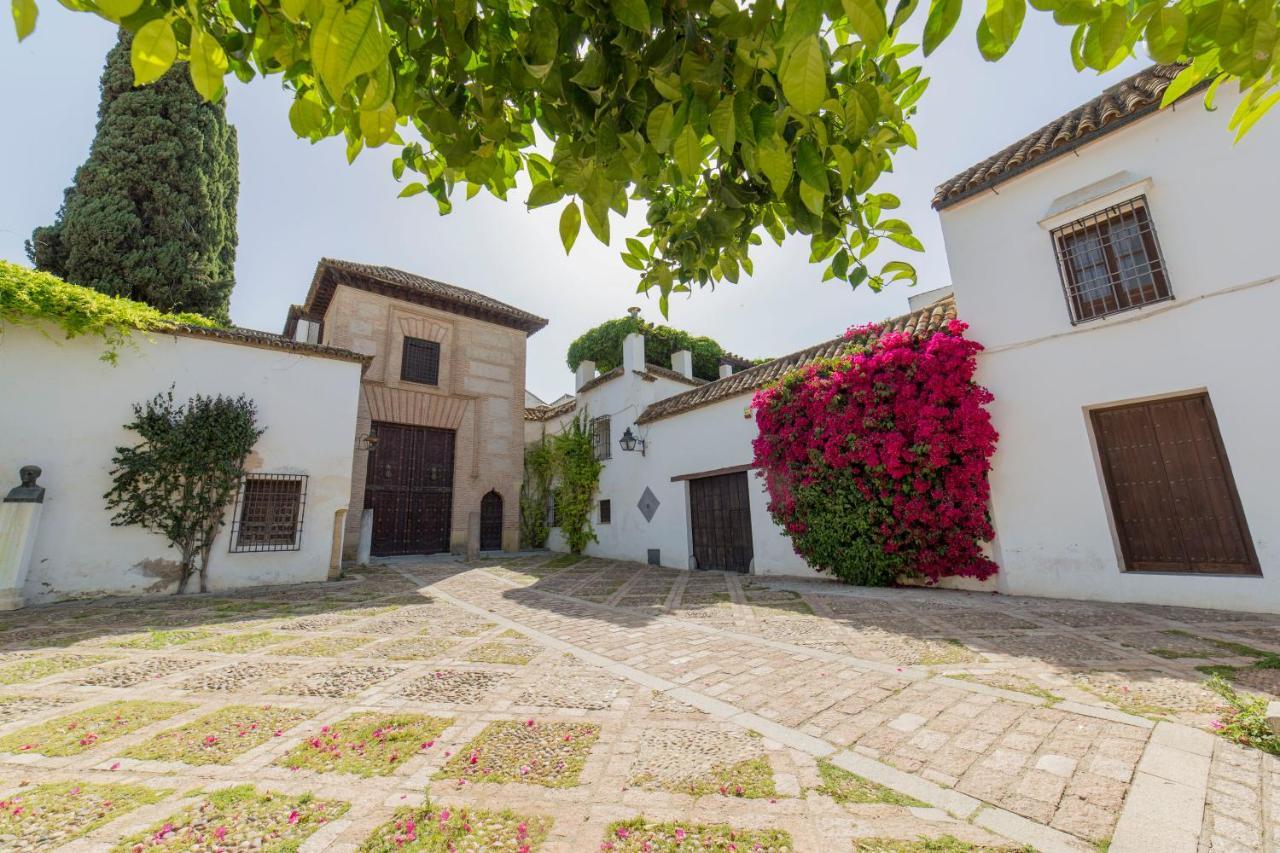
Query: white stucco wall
{"x": 1213, "y": 207}
{"x": 64, "y": 410}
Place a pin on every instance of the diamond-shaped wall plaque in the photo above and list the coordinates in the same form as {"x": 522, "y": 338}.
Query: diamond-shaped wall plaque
{"x": 648, "y": 504}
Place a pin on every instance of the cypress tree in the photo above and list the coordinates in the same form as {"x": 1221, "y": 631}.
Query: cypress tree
{"x": 151, "y": 215}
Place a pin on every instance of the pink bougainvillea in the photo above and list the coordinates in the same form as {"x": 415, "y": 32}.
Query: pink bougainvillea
{"x": 876, "y": 460}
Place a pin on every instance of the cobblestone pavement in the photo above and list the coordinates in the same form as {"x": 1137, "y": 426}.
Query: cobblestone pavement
{"x": 539, "y": 702}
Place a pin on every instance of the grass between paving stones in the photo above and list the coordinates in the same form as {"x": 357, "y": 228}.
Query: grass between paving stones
{"x": 750, "y": 779}
{"x": 548, "y": 754}
{"x": 436, "y": 828}
{"x": 1244, "y": 719}
{"x": 72, "y": 734}
{"x": 947, "y": 651}
{"x": 236, "y": 643}
{"x": 161, "y": 639}
{"x": 55, "y": 813}
{"x": 33, "y": 669}
{"x": 412, "y": 648}
{"x": 1016, "y": 683}
{"x": 941, "y": 844}
{"x": 373, "y": 743}
{"x": 639, "y": 834}
{"x": 219, "y": 737}
{"x": 845, "y": 787}
{"x": 239, "y": 818}
{"x": 564, "y": 561}
{"x": 509, "y": 653}
{"x": 324, "y": 647}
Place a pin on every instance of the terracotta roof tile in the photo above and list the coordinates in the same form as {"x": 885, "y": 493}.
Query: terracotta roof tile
{"x": 266, "y": 340}
{"x": 927, "y": 319}
{"x": 1128, "y": 100}
{"x": 546, "y": 413}
{"x": 414, "y": 288}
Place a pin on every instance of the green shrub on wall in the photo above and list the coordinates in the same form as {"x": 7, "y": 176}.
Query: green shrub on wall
{"x": 535, "y": 493}
{"x": 28, "y": 297}
{"x": 577, "y": 474}
{"x": 603, "y": 345}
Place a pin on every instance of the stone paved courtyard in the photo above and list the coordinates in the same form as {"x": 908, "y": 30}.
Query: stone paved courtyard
{"x": 544, "y": 703}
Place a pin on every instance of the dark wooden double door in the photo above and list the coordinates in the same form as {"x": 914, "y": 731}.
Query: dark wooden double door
{"x": 409, "y": 487}
{"x": 720, "y": 514}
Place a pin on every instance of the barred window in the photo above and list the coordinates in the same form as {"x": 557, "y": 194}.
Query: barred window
{"x": 268, "y": 513}
{"x": 1110, "y": 261}
{"x": 601, "y": 442}
{"x": 606, "y": 512}
{"x": 420, "y": 361}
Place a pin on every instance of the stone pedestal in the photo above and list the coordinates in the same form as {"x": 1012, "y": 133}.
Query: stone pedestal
{"x": 18, "y": 525}
{"x": 365, "y": 548}
{"x": 473, "y": 536}
{"x": 335, "y": 549}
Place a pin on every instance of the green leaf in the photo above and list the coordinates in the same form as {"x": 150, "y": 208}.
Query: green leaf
{"x": 999, "y": 27}
{"x": 722, "y": 125}
{"x": 1187, "y": 79}
{"x": 154, "y": 50}
{"x": 775, "y": 161}
{"x": 637, "y": 248}
{"x": 207, "y": 64}
{"x": 599, "y": 224}
{"x": 1105, "y": 43}
{"x": 24, "y": 17}
{"x": 412, "y": 190}
{"x": 348, "y": 42}
{"x": 867, "y": 19}
{"x": 570, "y": 224}
{"x": 632, "y": 261}
{"x": 810, "y": 166}
{"x": 544, "y": 193}
{"x": 804, "y": 76}
{"x": 943, "y": 15}
{"x": 814, "y": 200}
{"x": 1166, "y": 34}
{"x": 659, "y": 126}
{"x": 293, "y": 9}
{"x": 118, "y": 10}
{"x": 376, "y": 126}
{"x": 1256, "y": 111}
{"x": 632, "y": 13}
{"x": 307, "y": 116}
{"x": 908, "y": 241}
{"x": 688, "y": 153}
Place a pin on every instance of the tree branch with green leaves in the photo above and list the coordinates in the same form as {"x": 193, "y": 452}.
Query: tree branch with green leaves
{"x": 728, "y": 121}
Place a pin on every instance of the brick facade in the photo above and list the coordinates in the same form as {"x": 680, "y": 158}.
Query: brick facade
{"x": 480, "y": 395}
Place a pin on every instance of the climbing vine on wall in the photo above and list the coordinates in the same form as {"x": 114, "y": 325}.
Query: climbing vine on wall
{"x": 876, "y": 460}
{"x": 577, "y": 474}
{"x": 28, "y": 297}
{"x": 535, "y": 493}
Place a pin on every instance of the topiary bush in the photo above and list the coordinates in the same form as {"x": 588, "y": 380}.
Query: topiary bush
{"x": 603, "y": 345}
{"x": 876, "y": 460}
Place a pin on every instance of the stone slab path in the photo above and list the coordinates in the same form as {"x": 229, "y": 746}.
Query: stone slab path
{"x": 549, "y": 703}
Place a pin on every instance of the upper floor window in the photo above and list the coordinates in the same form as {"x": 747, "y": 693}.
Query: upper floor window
{"x": 420, "y": 361}
{"x": 1110, "y": 261}
{"x": 600, "y": 440}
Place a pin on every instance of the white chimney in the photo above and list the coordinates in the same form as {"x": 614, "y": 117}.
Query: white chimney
{"x": 633, "y": 352}
{"x": 726, "y": 370}
{"x": 585, "y": 373}
{"x": 682, "y": 363}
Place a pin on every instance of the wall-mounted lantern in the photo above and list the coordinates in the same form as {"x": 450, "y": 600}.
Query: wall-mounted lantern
{"x": 629, "y": 442}
{"x": 366, "y": 441}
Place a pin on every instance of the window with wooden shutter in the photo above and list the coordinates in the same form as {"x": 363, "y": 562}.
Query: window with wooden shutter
{"x": 1172, "y": 495}
{"x": 420, "y": 361}
{"x": 268, "y": 514}
{"x": 1110, "y": 261}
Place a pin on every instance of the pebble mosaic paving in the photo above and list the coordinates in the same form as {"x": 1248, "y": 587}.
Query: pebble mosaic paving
{"x": 558, "y": 704}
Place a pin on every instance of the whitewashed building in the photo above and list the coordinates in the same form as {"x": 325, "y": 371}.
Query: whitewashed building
{"x": 65, "y": 409}
{"x": 685, "y": 496}
{"x": 1120, "y": 266}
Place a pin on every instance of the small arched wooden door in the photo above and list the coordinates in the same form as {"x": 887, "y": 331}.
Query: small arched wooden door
{"x": 491, "y": 522}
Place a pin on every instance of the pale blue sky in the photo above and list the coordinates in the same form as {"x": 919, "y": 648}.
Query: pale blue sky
{"x": 299, "y": 202}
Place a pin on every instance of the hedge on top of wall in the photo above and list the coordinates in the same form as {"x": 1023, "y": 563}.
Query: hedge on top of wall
{"x": 29, "y": 297}
{"x": 603, "y": 345}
